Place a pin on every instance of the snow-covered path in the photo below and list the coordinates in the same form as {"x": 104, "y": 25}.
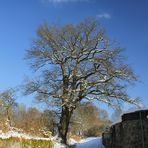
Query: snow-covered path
{"x": 90, "y": 143}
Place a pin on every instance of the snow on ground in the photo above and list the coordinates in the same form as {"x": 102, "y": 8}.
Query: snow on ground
{"x": 20, "y": 135}
{"x": 92, "y": 142}
{"x": 56, "y": 140}
{"x": 59, "y": 145}
{"x": 17, "y": 134}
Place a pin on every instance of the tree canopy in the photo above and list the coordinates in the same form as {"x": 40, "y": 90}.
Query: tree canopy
{"x": 77, "y": 62}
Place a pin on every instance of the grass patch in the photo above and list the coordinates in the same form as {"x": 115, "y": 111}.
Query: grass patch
{"x": 25, "y": 143}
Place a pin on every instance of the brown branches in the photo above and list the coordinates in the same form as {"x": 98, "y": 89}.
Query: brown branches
{"x": 86, "y": 63}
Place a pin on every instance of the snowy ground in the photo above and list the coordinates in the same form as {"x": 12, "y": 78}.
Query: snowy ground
{"x": 92, "y": 142}
{"x": 20, "y": 135}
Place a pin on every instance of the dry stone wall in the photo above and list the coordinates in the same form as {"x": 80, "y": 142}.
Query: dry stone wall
{"x": 132, "y": 132}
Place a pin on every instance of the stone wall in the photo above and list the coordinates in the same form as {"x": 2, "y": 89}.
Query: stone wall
{"x": 132, "y": 132}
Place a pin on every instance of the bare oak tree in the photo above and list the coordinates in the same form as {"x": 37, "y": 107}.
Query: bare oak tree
{"x": 77, "y": 62}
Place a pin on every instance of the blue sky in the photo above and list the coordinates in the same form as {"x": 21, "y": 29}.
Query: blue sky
{"x": 125, "y": 21}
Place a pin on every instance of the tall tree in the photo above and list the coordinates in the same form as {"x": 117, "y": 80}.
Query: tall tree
{"x": 77, "y": 62}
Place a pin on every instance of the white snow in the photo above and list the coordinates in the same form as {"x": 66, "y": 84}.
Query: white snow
{"x": 56, "y": 140}
{"x": 92, "y": 142}
{"x": 59, "y": 145}
{"x": 19, "y": 135}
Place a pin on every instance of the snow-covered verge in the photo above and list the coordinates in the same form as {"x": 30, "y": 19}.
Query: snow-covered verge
{"x": 16, "y": 134}
{"x": 14, "y": 139}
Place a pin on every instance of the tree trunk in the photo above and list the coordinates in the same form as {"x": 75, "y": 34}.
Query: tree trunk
{"x": 64, "y": 124}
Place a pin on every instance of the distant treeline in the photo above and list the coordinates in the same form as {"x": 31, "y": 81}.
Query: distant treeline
{"x": 87, "y": 120}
